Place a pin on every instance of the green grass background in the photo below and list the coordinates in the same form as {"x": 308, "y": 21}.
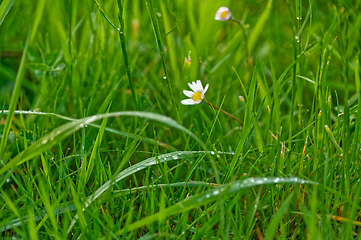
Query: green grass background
{"x": 95, "y": 143}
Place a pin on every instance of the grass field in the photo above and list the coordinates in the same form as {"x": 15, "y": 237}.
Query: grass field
{"x": 96, "y": 144}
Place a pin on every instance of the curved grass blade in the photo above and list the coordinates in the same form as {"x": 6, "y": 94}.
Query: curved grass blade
{"x": 20, "y": 75}
{"x": 112, "y": 130}
{"x": 259, "y": 26}
{"x": 69, "y": 206}
{"x": 137, "y": 167}
{"x": 4, "y": 9}
{"x": 58, "y": 134}
{"x": 211, "y": 195}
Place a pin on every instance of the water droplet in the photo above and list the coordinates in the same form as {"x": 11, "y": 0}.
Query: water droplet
{"x": 208, "y": 196}
{"x": 276, "y": 180}
{"x": 215, "y": 192}
{"x": 175, "y": 157}
{"x": 212, "y": 153}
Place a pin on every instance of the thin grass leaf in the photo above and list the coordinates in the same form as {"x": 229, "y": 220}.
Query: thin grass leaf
{"x": 174, "y": 156}
{"x": 58, "y": 134}
{"x": 208, "y": 196}
{"x": 273, "y": 225}
{"x": 20, "y": 75}
{"x": 259, "y": 26}
{"x": 112, "y": 130}
{"x": 96, "y": 145}
{"x": 4, "y": 9}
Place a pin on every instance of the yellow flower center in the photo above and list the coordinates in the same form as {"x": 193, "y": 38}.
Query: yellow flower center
{"x": 197, "y": 96}
{"x": 224, "y": 14}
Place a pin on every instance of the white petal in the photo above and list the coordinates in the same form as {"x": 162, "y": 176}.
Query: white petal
{"x": 199, "y": 86}
{"x": 188, "y": 102}
{"x": 198, "y": 102}
{"x": 205, "y": 89}
{"x": 188, "y": 93}
{"x": 222, "y": 9}
{"x": 202, "y": 95}
{"x": 219, "y": 14}
{"x": 193, "y": 86}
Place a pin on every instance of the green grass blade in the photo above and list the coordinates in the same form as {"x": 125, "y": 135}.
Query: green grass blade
{"x": 96, "y": 145}
{"x": 20, "y": 76}
{"x": 112, "y": 130}
{"x": 69, "y": 206}
{"x": 125, "y": 53}
{"x": 4, "y": 9}
{"x": 259, "y": 26}
{"x": 174, "y": 156}
{"x": 208, "y": 196}
{"x": 273, "y": 225}
{"x": 58, "y": 134}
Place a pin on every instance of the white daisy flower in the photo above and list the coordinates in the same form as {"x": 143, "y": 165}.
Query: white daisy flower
{"x": 197, "y": 95}
{"x": 223, "y": 14}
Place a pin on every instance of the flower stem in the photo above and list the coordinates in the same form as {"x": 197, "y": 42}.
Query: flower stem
{"x": 228, "y": 114}
{"x": 244, "y": 36}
